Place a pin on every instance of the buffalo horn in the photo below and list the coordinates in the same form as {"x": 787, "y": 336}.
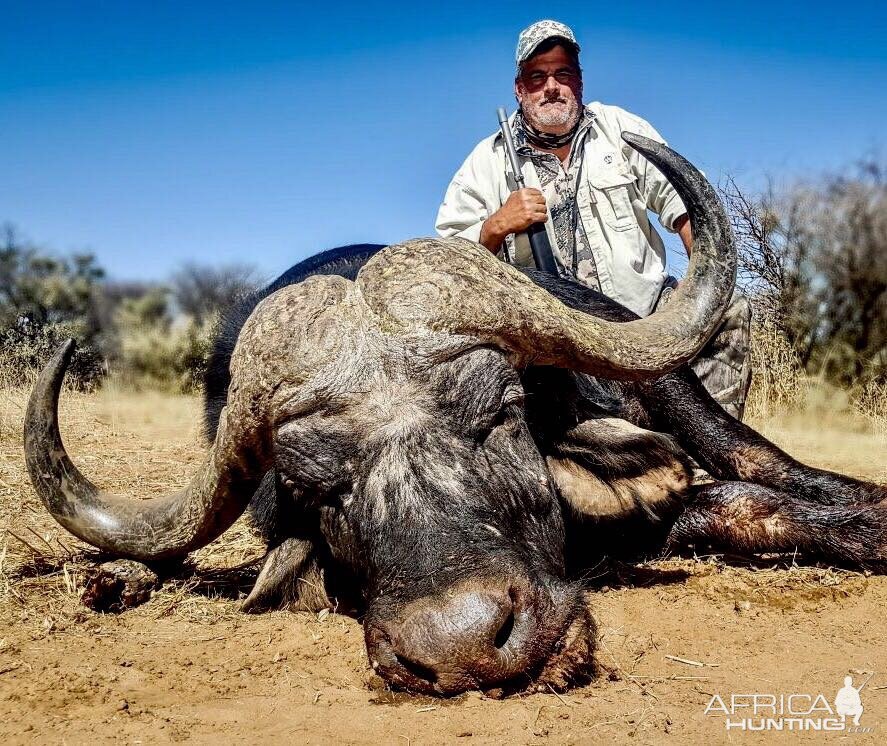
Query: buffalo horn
{"x": 152, "y": 529}
{"x": 458, "y": 287}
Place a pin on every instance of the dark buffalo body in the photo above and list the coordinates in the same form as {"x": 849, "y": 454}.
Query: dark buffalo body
{"x": 679, "y": 418}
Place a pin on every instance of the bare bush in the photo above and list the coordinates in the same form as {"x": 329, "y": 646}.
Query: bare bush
{"x": 775, "y": 269}
{"x": 813, "y": 262}
{"x": 849, "y": 233}
{"x": 201, "y": 292}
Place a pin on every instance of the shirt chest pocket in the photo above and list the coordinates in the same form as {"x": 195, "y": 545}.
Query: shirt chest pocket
{"x": 612, "y": 190}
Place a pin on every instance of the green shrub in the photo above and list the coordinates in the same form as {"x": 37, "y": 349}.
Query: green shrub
{"x": 26, "y": 348}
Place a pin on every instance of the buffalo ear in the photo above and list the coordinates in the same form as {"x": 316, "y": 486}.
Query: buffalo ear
{"x": 608, "y": 468}
{"x": 291, "y": 578}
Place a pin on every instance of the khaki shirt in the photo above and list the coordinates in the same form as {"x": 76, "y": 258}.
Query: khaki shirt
{"x": 616, "y": 187}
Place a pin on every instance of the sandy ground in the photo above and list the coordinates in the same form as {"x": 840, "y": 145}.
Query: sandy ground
{"x": 189, "y": 666}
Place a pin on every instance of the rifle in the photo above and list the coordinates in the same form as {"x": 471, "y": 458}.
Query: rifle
{"x": 866, "y": 682}
{"x": 537, "y": 234}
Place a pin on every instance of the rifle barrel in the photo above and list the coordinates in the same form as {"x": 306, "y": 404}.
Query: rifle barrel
{"x": 508, "y": 138}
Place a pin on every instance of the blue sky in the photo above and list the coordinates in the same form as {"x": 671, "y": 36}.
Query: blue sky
{"x": 158, "y": 133}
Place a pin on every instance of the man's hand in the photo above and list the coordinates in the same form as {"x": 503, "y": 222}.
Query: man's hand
{"x": 523, "y": 208}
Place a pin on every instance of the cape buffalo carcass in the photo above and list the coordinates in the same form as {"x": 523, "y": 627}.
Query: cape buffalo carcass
{"x": 442, "y": 433}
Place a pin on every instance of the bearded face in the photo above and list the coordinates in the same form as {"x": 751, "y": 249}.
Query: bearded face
{"x": 549, "y": 90}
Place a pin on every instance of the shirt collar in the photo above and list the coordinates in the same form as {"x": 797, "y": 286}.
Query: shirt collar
{"x": 523, "y": 146}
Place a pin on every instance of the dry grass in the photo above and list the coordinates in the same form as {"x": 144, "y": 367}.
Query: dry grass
{"x": 819, "y": 422}
{"x": 870, "y": 401}
{"x": 136, "y": 445}
{"x": 826, "y": 431}
{"x": 778, "y": 381}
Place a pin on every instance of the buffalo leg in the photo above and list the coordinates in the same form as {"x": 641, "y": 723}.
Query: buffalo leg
{"x": 731, "y": 451}
{"x": 748, "y": 518}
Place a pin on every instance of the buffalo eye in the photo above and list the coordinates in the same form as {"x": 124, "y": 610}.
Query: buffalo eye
{"x": 509, "y": 414}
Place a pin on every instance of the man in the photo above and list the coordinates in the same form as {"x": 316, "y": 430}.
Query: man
{"x": 592, "y": 191}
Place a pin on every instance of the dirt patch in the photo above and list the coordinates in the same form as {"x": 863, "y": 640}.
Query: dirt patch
{"x": 188, "y": 666}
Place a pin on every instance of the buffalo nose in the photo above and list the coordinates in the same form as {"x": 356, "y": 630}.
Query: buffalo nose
{"x": 469, "y": 640}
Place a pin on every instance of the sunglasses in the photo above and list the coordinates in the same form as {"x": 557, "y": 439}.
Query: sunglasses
{"x": 536, "y": 79}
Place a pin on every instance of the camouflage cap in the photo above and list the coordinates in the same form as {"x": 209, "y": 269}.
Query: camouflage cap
{"x": 532, "y": 36}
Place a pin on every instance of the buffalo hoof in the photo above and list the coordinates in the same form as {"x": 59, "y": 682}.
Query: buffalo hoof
{"x": 119, "y": 585}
